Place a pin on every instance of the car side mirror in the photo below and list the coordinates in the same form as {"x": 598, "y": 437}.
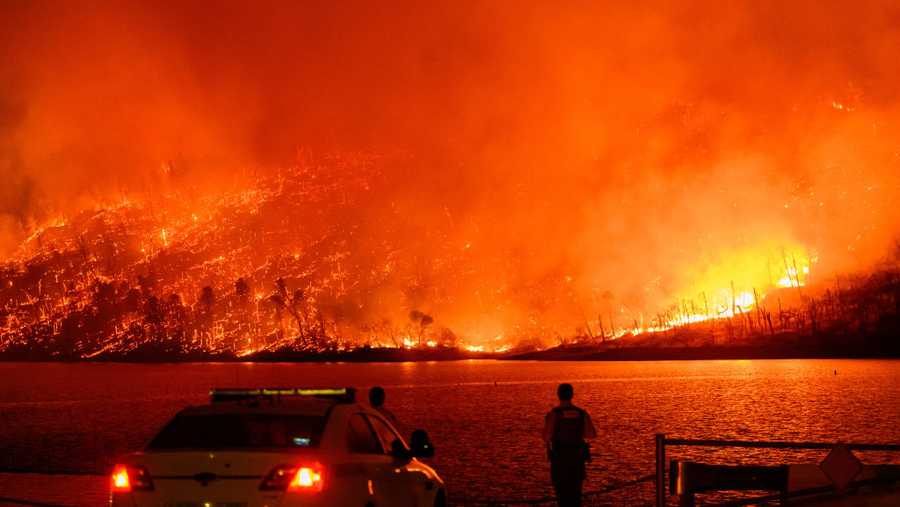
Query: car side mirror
{"x": 421, "y": 446}
{"x": 399, "y": 451}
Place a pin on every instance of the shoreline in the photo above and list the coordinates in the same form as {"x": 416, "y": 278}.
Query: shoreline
{"x": 700, "y": 354}
{"x": 362, "y": 355}
{"x": 561, "y": 353}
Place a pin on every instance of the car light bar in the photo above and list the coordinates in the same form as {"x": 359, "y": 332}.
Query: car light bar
{"x": 341, "y": 394}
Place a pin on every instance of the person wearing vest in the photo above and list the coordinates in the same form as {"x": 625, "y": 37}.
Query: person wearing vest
{"x": 565, "y": 429}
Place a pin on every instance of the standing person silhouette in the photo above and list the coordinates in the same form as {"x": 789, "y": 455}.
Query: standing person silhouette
{"x": 565, "y": 429}
{"x": 376, "y": 399}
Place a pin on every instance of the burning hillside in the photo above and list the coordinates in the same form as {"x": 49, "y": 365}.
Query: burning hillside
{"x": 544, "y": 173}
{"x": 283, "y": 264}
{"x": 293, "y": 262}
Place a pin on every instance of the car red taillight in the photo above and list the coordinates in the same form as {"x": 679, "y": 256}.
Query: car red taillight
{"x": 299, "y": 478}
{"x": 127, "y": 478}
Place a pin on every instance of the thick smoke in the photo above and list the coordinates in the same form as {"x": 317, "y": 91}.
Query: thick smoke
{"x": 624, "y": 151}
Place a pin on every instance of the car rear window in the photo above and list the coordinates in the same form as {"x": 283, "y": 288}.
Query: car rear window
{"x": 241, "y": 431}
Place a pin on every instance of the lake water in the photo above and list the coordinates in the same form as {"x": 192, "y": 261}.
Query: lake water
{"x": 484, "y": 417}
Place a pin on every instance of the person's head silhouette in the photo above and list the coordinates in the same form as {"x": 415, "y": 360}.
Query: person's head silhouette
{"x": 565, "y": 392}
{"x": 376, "y": 396}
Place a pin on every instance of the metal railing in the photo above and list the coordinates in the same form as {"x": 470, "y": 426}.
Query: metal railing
{"x": 662, "y": 442}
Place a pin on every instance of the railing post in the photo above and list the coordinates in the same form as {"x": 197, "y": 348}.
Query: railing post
{"x": 660, "y": 470}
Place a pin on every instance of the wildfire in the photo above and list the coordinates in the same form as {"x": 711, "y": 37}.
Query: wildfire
{"x": 217, "y": 201}
{"x": 794, "y": 277}
{"x": 114, "y": 281}
{"x": 721, "y": 298}
{"x": 245, "y": 280}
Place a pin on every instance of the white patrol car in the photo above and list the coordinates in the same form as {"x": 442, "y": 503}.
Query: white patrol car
{"x": 279, "y": 448}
